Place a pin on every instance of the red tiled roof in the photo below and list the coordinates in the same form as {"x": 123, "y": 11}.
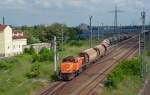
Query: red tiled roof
{"x": 19, "y": 37}
{"x": 2, "y": 27}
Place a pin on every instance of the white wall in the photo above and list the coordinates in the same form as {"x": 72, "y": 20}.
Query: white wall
{"x": 18, "y": 45}
{"x": 2, "y": 44}
{"x": 8, "y": 41}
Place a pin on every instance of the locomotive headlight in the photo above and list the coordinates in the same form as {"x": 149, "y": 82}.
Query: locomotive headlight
{"x": 69, "y": 67}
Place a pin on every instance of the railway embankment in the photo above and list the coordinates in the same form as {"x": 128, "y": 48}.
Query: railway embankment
{"x": 124, "y": 79}
{"x": 127, "y": 83}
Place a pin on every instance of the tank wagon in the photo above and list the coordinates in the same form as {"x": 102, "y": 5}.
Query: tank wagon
{"x": 73, "y": 66}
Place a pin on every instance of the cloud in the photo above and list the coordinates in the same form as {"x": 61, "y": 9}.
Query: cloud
{"x": 76, "y": 10}
{"x": 87, "y": 4}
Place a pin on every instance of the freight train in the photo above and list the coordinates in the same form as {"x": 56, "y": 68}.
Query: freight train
{"x": 73, "y": 66}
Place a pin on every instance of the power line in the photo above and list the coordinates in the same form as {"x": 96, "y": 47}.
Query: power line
{"x": 116, "y": 11}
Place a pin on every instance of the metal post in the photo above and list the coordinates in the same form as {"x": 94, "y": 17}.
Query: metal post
{"x": 142, "y": 46}
{"x": 90, "y": 31}
{"x": 116, "y": 19}
{"x": 55, "y": 55}
{"x": 62, "y": 42}
{"x": 98, "y": 33}
{"x": 102, "y": 33}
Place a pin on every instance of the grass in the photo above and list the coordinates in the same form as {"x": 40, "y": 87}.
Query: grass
{"x": 75, "y": 50}
{"x": 13, "y": 81}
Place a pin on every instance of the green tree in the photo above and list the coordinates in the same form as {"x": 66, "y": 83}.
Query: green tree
{"x": 41, "y": 33}
{"x": 35, "y": 70}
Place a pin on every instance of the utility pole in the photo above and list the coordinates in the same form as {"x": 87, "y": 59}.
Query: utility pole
{"x": 142, "y": 46}
{"x": 116, "y": 11}
{"x": 102, "y": 33}
{"x": 116, "y": 19}
{"x": 98, "y": 37}
{"x": 62, "y": 42}
{"x": 90, "y": 18}
{"x": 55, "y": 55}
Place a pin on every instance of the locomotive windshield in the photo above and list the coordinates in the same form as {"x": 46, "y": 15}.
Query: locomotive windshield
{"x": 69, "y": 59}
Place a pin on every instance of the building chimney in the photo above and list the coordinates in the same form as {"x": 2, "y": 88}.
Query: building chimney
{"x": 3, "y": 20}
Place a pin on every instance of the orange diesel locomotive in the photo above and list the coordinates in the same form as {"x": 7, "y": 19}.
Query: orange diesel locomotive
{"x": 71, "y": 66}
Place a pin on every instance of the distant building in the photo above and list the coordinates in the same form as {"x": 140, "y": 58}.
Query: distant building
{"x": 38, "y": 46}
{"x": 85, "y": 30}
{"x": 11, "y": 42}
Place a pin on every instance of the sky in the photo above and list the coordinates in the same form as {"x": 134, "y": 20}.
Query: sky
{"x": 72, "y": 12}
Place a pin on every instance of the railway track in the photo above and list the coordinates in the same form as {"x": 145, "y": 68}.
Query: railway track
{"x": 90, "y": 80}
{"x": 88, "y": 89}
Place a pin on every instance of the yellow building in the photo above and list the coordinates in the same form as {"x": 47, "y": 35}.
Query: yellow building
{"x": 5, "y": 40}
{"x": 11, "y": 42}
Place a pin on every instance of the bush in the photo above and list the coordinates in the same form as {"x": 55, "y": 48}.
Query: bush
{"x": 46, "y": 55}
{"x": 4, "y": 65}
{"x": 32, "y": 51}
{"x": 8, "y": 63}
{"x": 26, "y": 51}
{"x": 110, "y": 82}
{"x": 148, "y": 53}
{"x": 126, "y": 67}
{"x": 35, "y": 70}
{"x": 35, "y": 58}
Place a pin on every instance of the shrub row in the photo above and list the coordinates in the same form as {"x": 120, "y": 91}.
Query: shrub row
{"x": 125, "y": 68}
{"x": 44, "y": 55}
{"x": 7, "y": 63}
